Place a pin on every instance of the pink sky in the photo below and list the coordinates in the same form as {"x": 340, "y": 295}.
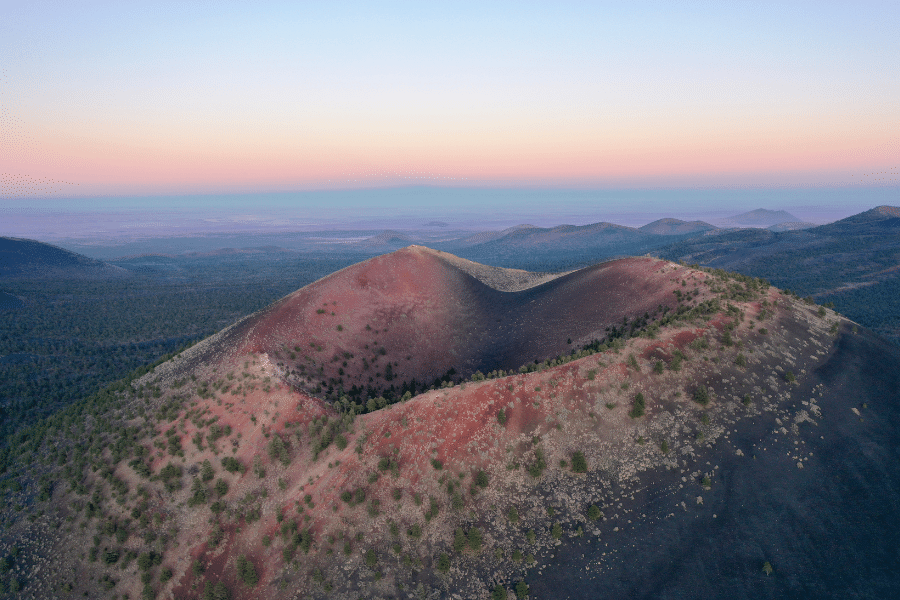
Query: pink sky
{"x": 281, "y": 98}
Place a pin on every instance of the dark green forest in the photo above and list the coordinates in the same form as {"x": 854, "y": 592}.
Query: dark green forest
{"x": 65, "y": 340}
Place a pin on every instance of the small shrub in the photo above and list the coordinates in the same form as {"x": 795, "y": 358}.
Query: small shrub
{"x": 579, "y": 462}
{"x": 513, "y": 515}
{"x": 675, "y": 363}
{"x": 221, "y": 487}
{"x": 556, "y": 531}
{"x": 481, "y": 479}
{"x": 231, "y": 464}
{"x": 459, "y": 540}
{"x": 536, "y": 469}
{"x": 474, "y": 538}
{"x": 371, "y": 558}
{"x": 658, "y": 367}
{"x": 501, "y": 416}
{"x": 246, "y": 571}
{"x": 593, "y": 512}
{"x": 633, "y": 363}
{"x": 498, "y": 593}
{"x": 637, "y": 407}
{"x": 443, "y": 563}
{"x": 522, "y": 590}
{"x": 206, "y": 471}
{"x": 216, "y": 591}
{"x": 438, "y": 465}
{"x": 701, "y": 395}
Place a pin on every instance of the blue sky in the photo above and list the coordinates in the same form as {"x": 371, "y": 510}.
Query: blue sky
{"x": 209, "y": 99}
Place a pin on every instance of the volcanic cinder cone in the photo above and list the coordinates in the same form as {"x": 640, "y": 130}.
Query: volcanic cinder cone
{"x": 633, "y": 429}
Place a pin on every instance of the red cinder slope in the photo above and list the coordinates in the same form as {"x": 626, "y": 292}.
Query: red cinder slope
{"x": 327, "y": 501}
{"x": 412, "y": 315}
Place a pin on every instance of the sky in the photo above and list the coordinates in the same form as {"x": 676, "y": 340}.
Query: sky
{"x": 145, "y": 100}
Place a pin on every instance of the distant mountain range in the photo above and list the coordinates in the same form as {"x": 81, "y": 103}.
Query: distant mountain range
{"x": 873, "y": 232}
{"x": 853, "y": 262}
{"x": 529, "y": 247}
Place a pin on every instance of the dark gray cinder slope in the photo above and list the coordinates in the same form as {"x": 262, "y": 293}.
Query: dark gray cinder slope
{"x": 816, "y": 499}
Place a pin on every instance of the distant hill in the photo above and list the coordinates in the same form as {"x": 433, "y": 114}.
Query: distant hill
{"x": 30, "y": 259}
{"x": 676, "y": 227}
{"x": 241, "y": 251}
{"x": 555, "y": 248}
{"x": 388, "y": 238}
{"x": 791, "y": 226}
{"x": 760, "y": 217}
{"x": 480, "y": 238}
{"x": 877, "y": 221}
